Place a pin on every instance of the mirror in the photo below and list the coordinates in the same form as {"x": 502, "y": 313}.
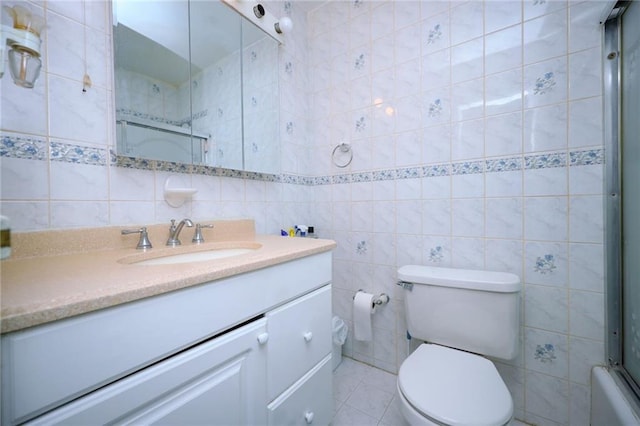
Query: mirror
{"x": 196, "y": 83}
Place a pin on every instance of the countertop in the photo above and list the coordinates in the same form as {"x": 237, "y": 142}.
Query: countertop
{"x": 44, "y": 288}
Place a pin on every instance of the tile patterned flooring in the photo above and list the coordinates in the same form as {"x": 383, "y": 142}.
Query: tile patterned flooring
{"x": 366, "y": 396}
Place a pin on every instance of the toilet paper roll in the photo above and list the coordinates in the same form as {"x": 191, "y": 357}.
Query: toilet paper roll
{"x": 363, "y": 308}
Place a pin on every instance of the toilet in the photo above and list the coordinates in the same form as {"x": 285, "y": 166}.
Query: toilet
{"x": 462, "y": 316}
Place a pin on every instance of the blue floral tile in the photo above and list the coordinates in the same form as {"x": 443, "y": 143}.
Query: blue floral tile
{"x": 545, "y": 161}
{"x": 361, "y": 248}
{"x": 362, "y": 177}
{"x": 544, "y": 84}
{"x": 436, "y": 254}
{"x": 545, "y": 264}
{"x": 467, "y": 168}
{"x": 436, "y": 170}
{"x": 409, "y": 173}
{"x": 359, "y": 62}
{"x": 586, "y": 158}
{"x": 435, "y": 34}
{"x": 435, "y": 108}
{"x": 504, "y": 164}
{"x": 77, "y": 154}
{"x": 361, "y": 125}
{"x": 384, "y": 175}
{"x": 23, "y": 147}
{"x": 289, "y": 127}
{"x": 288, "y": 7}
{"x": 344, "y": 178}
{"x": 545, "y": 353}
{"x": 288, "y": 67}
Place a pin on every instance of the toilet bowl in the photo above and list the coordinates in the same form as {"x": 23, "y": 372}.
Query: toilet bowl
{"x": 463, "y": 315}
{"x": 444, "y": 386}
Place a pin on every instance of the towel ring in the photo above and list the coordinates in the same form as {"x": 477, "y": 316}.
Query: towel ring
{"x": 343, "y": 147}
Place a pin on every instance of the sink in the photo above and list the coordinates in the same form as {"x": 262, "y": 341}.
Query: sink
{"x": 168, "y": 257}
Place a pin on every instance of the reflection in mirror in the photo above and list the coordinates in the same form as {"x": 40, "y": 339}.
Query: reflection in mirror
{"x": 195, "y": 83}
{"x": 260, "y": 101}
{"x": 216, "y": 43}
{"x": 152, "y": 69}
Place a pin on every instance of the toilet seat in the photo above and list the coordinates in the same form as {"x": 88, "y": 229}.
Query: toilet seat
{"x": 455, "y": 388}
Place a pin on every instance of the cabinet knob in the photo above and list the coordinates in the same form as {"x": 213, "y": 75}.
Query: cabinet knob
{"x": 308, "y": 416}
{"x": 308, "y": 336}
{"x": 262, "y": 338}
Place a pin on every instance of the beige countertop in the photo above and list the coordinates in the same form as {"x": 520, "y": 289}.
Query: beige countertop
{"x": 45, "y": 284}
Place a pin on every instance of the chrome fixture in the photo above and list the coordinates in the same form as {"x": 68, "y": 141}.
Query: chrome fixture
{"x": 344, "y": 150}
{"x": 143, "y": 242}
{"x": 197, "y": 236}
{"x": 174, "y": 231}
{"x": 258, "y": 10}
{"x": 23, "y": 39}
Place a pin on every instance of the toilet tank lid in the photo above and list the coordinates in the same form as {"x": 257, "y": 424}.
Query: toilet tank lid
{"x": 500, "y": 282}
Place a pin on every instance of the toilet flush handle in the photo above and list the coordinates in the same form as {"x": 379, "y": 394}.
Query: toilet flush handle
{"x": 308, "y": 336}
{"x": 308, "y": 416}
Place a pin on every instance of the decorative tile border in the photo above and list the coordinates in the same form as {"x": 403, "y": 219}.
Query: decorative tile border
{"x": 23, "y": 147}
{"x": 13, "y": 146}
{"x": 68, "y": 153}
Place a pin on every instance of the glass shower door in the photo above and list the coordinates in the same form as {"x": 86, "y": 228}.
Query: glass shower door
{"x": 630, "y": 173}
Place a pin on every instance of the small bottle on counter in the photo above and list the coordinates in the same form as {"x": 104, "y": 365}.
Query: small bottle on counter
{"x": 311, "y": 233}
{"x": 5, "y": 238}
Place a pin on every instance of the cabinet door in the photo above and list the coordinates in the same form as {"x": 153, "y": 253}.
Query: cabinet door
{"x": 299, "y": 337}
{"x": 308, "y": 402}
{"x": 219, "y": 382}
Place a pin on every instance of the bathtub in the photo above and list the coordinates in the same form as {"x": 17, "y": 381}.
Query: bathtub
{"x": 609, "y": 405}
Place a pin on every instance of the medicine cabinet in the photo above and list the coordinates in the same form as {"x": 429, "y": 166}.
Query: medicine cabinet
{"x": 195, "y": 83}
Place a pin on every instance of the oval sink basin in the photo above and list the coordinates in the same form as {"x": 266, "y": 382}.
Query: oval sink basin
{"x": 195, "y": 257}
{"x": 167, "y": 258}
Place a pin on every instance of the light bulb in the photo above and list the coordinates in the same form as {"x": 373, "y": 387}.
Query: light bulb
{"x": 284, "y": 25}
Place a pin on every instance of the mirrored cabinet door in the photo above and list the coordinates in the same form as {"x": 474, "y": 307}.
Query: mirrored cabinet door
{"x": 196, "y": 83}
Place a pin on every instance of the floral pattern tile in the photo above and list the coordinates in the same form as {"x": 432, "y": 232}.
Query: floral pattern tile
{"x": 545, "y": 83}
{"x": 77, "y": 154}
{"x": 23, "y": 147}
{"x": 545, "y": 264}
{"x": 545, "y": 353}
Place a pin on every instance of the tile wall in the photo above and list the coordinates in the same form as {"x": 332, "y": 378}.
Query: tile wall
{"x": 476, "y": 136}
{"x": 477, "y": 142}
{"x": 57, "y": 168}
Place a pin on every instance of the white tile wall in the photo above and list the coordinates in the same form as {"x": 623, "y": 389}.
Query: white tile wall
{"x": 496, "y": 79}
{"x": 463, "y": 85}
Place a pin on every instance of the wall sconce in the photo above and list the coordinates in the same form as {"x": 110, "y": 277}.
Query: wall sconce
{"x": 284, "y": 25}
{"x": 24, "y": 41}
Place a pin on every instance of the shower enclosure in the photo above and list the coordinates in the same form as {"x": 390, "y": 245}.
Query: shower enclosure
{"x": 622, "y": 124}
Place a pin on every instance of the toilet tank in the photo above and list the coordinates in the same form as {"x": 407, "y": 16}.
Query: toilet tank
{"x": 476, "y": 311}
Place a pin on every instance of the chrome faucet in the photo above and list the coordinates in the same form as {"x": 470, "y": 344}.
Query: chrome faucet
{"x": 174, "y": 231}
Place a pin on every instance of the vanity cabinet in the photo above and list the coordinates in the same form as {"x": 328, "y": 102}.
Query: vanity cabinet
{"x": 251, "y": 349}
{"x": 217, "y": 382}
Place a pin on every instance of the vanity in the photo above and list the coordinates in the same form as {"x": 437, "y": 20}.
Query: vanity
{"x": 244, "y": 339}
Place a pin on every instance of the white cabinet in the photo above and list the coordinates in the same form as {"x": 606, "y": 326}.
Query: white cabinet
{"x": 229, "y": 351}
{"x": 299, "y": 361}
{"x": 221, "y": 382}
{"x": 300, "y": 336}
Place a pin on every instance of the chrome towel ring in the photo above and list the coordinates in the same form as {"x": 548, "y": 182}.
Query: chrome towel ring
{"x": 343, "y": 148}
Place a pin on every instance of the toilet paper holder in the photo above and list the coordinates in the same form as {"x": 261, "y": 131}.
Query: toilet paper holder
{"x": 381, "y": 299}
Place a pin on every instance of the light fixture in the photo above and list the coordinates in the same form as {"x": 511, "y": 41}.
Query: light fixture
{"x": 23, "y": 39}
{"x": 258, "y": 10}
{"x": 284, "y": 25}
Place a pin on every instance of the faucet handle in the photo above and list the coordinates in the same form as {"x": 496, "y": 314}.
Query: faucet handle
{"x": 197, "y": 236}
{"x": 143, "y": 242}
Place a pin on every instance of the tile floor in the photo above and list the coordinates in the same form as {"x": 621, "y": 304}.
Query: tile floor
{"x": 365, "y": 395}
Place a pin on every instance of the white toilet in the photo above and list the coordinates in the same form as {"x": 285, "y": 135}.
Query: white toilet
{"x": 462, "y": 314}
